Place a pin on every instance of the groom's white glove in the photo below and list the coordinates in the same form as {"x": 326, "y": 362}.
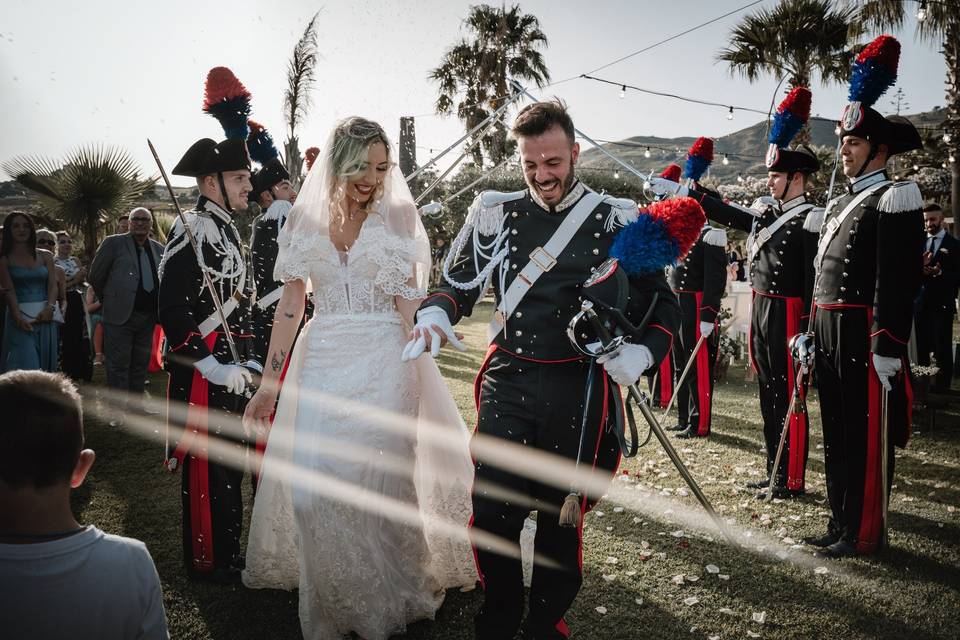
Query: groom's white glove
{"x": 232, "y": 376}
{"x": 706, "y": 328}
{"x": 627, "y": 363}
{"x": 886, "y": 368}
{"x": 429, "y": 321}
{"x": 666, "y": 188}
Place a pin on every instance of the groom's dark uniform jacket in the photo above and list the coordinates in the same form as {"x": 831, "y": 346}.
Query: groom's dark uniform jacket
{"x": 532, "y": 386}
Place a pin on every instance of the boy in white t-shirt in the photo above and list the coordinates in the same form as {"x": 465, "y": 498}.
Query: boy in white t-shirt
{"x": 59, "y": 579}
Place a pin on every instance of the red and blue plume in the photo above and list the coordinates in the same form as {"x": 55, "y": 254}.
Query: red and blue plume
{"x": 672, "y": 172}
{"x": 661, "y": 236}
{"x": 699, "y": 158}
{"x": 791, "y": 115}
{"x": 875, "y": 70}
{"x": 310, "y": 156}
{"x": 227, "y": 100}
{"x": 260, "y": 144}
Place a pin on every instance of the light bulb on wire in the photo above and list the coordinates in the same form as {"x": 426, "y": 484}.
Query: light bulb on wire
{"x": 952, "y": 159}
{"x": 739, "y": 177}
{"x": 726, "y": 160}
{"x": 730, "y": 114}
{"x": 616, "y": 174}
{"x": 947, "y": 138}
{"x": 623, "y": 91}
{"x": 922, "y": 11}
{"x": 646, "y": 154}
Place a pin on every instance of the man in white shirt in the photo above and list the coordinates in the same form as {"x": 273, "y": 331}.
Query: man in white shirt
{"x": 60, "y": 579}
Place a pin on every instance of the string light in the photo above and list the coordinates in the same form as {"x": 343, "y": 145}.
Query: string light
{"x": 739, "y": 177}
{"x": 730, "y": 114}
{"x": 947, "y": 138}
{"x": 726, "y": 160}
{"x": 646, "y": 154}
{"x": 952, "y": 159}
{"x": 922, "y": 11}
{"x": 616, "y": 174}
{"x": 623, "y": 91}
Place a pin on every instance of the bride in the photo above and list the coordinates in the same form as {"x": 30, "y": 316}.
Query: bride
{"x": 364, "y": 496}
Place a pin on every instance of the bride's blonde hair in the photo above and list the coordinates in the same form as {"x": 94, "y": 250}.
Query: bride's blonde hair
{"x": 352, "y": 138}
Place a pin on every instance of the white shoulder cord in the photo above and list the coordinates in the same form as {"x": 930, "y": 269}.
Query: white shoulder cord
{"x": 494, "y": 252}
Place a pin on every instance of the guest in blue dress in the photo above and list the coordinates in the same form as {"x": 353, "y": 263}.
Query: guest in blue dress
{"x": 28, "y": 278}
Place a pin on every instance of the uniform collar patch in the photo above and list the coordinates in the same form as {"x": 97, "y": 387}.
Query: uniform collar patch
{"x": 794, "y": 202}
{"x": 863, "y": 182}
{"x": 216, "y": 210}
{"x": 576, "y": 192}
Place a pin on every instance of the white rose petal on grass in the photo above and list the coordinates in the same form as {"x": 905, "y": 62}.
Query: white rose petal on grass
{"x": 601, "y": 610}
{"x": 609, "y": 577}
{"x": 598, "y": 514}
{"x": 630, "y": 573}
{"x": 759, "y": 617}
{"x": 644, "y": 544}
{"x": 611, "y": 560}
{"x": 821, "y": 570}
{"x": 618, "y": 509}
{"x": 789, "y": 540}
{"x": 636, "y": 520}
{"x": 677, "y": 534}
{"x": 728, "y": 611}
{"x": 677, "y": 579}
{"x": 754, "y": 634}
{"x": 712, "y": 568}
{"x": 692, "y": 600}
{"x": 723, "y": 576}
{"x": 713, "y": 637}
{"x": 692, "y": 578}
{"x": 638, "y": 600}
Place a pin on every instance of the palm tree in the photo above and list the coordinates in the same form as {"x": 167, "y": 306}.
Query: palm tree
{"x": 792, "y": 42}
{"x": 940, "y": 26}
{"x": 500, "y": 44}
{"x": 89, "y": 188}
{"x": 301, "y": 73}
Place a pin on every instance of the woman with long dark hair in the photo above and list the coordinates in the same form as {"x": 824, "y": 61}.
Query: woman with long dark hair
{"x": 28, "y": 276}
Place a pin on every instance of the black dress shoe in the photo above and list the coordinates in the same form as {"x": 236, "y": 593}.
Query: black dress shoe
{"x": 690, "y": 432}
{"x": 217, "y": 576}
{"x": 758, "y": 484}
{"x": 840, "y": 549}
{"x": 677, "y": 427}
{"x": 780, "y": 492}
{"x": 825, "y": 540}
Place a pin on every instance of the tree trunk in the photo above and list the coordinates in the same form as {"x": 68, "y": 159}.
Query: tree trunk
{"x": 951, "y": 53}
{"x": 293, "y": 161}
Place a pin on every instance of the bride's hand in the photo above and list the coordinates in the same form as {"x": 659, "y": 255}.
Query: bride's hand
{"x": 256, "y": 417}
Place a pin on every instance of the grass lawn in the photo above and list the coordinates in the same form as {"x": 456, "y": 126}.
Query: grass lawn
{"x": 646, "y": 570}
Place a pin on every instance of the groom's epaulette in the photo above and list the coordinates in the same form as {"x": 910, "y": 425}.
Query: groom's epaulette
{"x": 486, "y": 211}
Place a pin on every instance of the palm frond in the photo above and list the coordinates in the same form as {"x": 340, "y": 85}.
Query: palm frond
{"x": 301, "y": 74}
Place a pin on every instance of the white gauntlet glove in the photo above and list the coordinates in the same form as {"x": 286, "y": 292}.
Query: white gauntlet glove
{"x": 232, "y": 376}
{"x": 666, "y": 188}
{"x": 706, "y": 328}
{"x": 886, "y": 368}
{"x": 429, "y": 321}
{"x": 627, "y": 363}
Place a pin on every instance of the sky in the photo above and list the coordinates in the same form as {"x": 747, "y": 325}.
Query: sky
{"x": 118, "y": 73}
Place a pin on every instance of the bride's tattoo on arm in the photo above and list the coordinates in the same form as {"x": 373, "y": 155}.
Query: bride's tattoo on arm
{"x": 289, "y": 315}
{"x": 276, "y": 363}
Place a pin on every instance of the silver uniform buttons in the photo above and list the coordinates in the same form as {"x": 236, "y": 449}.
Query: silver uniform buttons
{"x": 596, "y": 252}
{"x": 519, "y": 349}
{"x": 514, "y": 214}
{"x": 513, "y": 231}
{"x": 599, "y": 216}
{"x": 519, "y": 333}
{"x": 519, "y": 314}
{"x": 596, "y": 235}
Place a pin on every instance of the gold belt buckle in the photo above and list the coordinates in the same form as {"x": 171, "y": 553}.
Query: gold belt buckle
{"x": 542, "y": 259}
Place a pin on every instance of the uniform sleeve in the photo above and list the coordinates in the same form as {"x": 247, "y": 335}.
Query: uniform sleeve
{"x": 732, "y": 216}
{"x": 899, "y": 268}
{"x": 180, "y": 289}
{"x": 811, "y": 239}
{"x": 714, "y": 278}
{"x": 664, "y": 321}
{"x": 260, "y": 252}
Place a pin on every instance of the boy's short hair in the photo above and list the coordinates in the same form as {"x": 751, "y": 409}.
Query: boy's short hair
{"x": 535, "y": 119}
{"x": 41, "y": 433}
{"x": 933, "y": 206}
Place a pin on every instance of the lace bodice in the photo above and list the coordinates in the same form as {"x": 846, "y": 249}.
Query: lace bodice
{"x": 361, "y": 281}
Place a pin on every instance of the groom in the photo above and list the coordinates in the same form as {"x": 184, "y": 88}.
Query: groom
{"x": 532, "y": 385}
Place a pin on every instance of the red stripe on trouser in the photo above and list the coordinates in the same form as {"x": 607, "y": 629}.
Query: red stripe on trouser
{"x": 871, "y": 517}
{"x": 666, "y": 379}
{"x": 703, "y": 375}
{"x": 156, "y": 350}
{"x": 753, "y": 363}
{"x": 201, "y": 520}
{"x": 477, "y": 383}
{"x": 797, "y": 460}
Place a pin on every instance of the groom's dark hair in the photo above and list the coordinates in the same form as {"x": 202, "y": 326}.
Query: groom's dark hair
{"x": 537, "y": 118}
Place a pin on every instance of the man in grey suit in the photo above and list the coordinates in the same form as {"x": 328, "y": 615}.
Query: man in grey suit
{"x": 124, "y": 275}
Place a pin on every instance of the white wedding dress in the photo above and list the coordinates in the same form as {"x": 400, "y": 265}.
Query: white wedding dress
{"x": 363, "y": 502}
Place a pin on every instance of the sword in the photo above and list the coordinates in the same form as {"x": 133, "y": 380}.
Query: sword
{"x": 801, "y": 350}
{"x": 884, "y": 472}
{"x": 683, "y": 375}
{"x": 643, "y": 402}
